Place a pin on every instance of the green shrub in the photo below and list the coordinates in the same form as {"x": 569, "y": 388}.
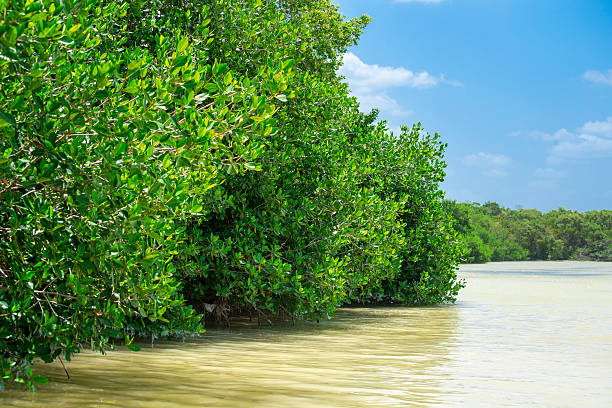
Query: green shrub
{"x": 322, "y": 224}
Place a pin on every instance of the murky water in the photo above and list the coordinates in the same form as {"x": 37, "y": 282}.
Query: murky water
{"x": 522, "y": 334}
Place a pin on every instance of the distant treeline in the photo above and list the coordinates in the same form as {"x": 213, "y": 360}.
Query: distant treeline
{"x": 495, "y": 233}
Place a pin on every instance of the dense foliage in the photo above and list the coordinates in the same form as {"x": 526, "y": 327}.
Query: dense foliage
{"x": 323, "y": 222}
{"x": 164, "y": 155}
{"x": 495, "y": 233}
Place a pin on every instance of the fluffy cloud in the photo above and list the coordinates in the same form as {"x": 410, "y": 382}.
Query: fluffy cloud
{"x": 599, "y": 77}
{"x": 583, "y": 146}
{"x": 366, "y": 78}
{"x": 370, "y": 83}
{"x": 602, "y": 128}
{"x": 492, "y": 165}
{"x": 591, "y": 141}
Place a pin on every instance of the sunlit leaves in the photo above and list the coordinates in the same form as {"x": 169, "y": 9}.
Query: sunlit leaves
{"x": 113, "y": 131}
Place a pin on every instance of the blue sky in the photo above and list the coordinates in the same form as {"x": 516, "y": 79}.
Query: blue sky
{"x": 521, "y": 90}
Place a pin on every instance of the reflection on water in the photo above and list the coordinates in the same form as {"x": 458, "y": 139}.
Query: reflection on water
{"x": 522, "y": 334}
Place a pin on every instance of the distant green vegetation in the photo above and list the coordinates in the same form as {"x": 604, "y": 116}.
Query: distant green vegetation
{"x": 494, "y": 233}
{"x": 163, "y": 162}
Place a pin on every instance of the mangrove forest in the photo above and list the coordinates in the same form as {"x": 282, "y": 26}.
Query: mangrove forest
{"x": 165, "y": 163}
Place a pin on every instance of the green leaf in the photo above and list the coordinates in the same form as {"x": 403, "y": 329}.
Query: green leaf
{"x": 133, "y": 347}
{"x": 121, "y": 148}
{"x": 149, "y": 151}
{"x": 166, "y": 161}
{"x": 8, "y": 118}
{"x": 40, "y": 379}
{"x": 65, "y": 40}
{"x": 288, "y": 64}
{"x": 132, "y": 88}
{"x": 211, "y": 87}
{"x": 228, "y": 78}
{"x": 183, "y": 162}
{"x": 180, "y": 61}
{"x": 182, "y": 44}
{"x": 134, "y": 65}
{"x": 37, "y": 73}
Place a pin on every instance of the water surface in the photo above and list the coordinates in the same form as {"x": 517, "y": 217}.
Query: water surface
{"x": 522, "y": 334}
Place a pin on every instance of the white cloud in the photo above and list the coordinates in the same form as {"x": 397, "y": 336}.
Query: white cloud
{"x": 581, "y": 147}
{"x": 370, "y": 82}
{"x": 591, "y": 141}
{"x": 368, "y": 78}
{"x": 603, "y": 128}
{"x": 599, "y": 77}
{"x": 492, "y": 165}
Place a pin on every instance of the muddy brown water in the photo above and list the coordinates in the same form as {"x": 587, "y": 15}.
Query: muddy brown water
{"x": 522, "y": 334}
